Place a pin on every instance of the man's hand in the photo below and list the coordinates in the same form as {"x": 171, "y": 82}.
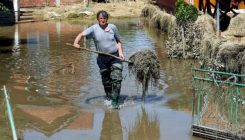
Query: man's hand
{"x": 76, "y": 45}
{"x": 121, "y": 55}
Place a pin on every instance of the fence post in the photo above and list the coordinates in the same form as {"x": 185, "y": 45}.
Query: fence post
{"x": 10, "y": 115}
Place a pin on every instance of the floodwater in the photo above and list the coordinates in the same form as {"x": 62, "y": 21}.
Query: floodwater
{"x": 56, "y": 91}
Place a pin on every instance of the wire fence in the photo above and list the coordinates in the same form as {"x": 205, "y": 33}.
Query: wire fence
{"x": 218, "y": 104}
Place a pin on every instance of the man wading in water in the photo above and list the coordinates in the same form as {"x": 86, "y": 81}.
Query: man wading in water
{"x": 106, "y": 39}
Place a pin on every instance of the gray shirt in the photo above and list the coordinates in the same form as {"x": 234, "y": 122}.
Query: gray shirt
{"x": 105, "y": 41}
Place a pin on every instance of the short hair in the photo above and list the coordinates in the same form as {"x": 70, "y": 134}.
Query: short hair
{"x": 103, "y": 14}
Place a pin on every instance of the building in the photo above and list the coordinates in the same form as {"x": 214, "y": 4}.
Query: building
{"x": 169, "y": 5}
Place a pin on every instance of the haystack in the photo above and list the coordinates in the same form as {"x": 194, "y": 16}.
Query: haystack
{"x": 231, "y": 55}
{"x": 149, "y": 10}
{"x": 163, "y": 21}
{"x": 236, "y": 27}
{"x": 221, "y": 54}
{"x": 159, "y": 18}
{"x": 207, "y": 24}
{"x": 146, "y": 68}
{"x": 185, "y": 43}
{"x": 225, "y": 53}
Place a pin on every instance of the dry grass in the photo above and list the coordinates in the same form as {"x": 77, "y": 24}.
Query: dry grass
{"x": 237, "y": 26}
{"x": 188, "y": 43}
{"x": 121, "y": 8}
{"x": 118, "y": 9}
{"x": 207, "y": 23}
{"x": 224, "y": 55}
{"x": 185, "y": 43}
{"x": 149, "y": 10}
{"x": 158, "y": 18}
{"x": 145, "y": 67}
{"x": 199, "y": 40}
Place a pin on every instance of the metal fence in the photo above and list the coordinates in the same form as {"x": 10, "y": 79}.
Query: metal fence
{"x": 218, "y": 104}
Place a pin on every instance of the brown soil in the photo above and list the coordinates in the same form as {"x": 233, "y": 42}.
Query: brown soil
{"x": 115, "y": 9}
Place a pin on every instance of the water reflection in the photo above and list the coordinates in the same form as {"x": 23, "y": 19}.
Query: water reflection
{"x": 146, "y": 127}
{"x": 111, "y": 128}
{"x": 84, "y": 125}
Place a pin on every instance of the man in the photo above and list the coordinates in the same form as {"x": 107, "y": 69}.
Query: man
{"x": 106, "y": 39}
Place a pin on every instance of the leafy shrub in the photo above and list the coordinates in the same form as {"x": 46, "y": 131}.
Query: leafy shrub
{"x": 185, "y": 13}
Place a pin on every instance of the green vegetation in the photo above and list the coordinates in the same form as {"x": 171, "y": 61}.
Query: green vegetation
{"x": 185, "y": 13}
{"x": 3, "y": 7}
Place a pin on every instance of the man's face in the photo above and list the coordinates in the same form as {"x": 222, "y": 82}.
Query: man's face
{"x": 102, "y": 20}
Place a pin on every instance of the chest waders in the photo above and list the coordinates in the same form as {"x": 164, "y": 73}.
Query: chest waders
{"x": 111, "y": 74}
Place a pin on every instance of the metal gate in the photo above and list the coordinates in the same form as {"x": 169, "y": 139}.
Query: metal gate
{"x": 218, "y": 104}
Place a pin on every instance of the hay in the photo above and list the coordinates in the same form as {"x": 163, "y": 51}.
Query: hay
{"x": 237, "y": 26}
{"x": 230, "y": 56}
{"x": 221, "y": 54}
{"x": 211, "y": 45}
{"x": 188, "y": 42}
{"x": 185, "y": 43}
{"x": 199, "y": 40}
{"x": 209, "y": 52}
{"x": 159, "y": 18}
{"x": 207, "y": 23}
{"x": 149, "y": 10}
{"x": 146, "y": 68}
{"x": 163, "y": 21}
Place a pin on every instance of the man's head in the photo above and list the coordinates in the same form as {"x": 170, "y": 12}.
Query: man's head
{"x": 102, "y": 17}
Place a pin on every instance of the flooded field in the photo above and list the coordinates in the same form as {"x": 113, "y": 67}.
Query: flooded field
{"x": 56, "y": 91}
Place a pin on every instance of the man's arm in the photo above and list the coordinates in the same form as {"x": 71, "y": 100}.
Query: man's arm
{"x": 119, "y": 42}
{"x": 120, "y": 49}
{"x": 77, "y": 40}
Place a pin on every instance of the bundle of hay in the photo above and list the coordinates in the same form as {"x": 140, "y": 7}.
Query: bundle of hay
{"x": 230, "y": 56}
{"x": 174, "y": 45}
{"x": 221, "y": 54}
{"x": 188, "y": 42}
{"x": 149, "y": 10}
{"x": 159, "y": 18}
{"x": 146, "y": 68}
{"x": 207, "y": 23}
{"x": 212, "y": 45}
{"x": 237, "y": 26}
{"x": 163, "y": 21}
{"x": 224, "y": 53}
{"x": 185, "y": 43}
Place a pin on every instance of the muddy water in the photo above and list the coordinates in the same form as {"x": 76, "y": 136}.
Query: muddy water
{"x": 56, "y": 91}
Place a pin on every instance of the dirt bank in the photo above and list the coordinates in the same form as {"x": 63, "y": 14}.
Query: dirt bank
{"x": 120, "y": 9}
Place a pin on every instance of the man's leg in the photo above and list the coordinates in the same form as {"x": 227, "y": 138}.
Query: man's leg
{"x": 105, "y": 72}
{"x": 106, "y": 81}
{"x": 116, "y": 79}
